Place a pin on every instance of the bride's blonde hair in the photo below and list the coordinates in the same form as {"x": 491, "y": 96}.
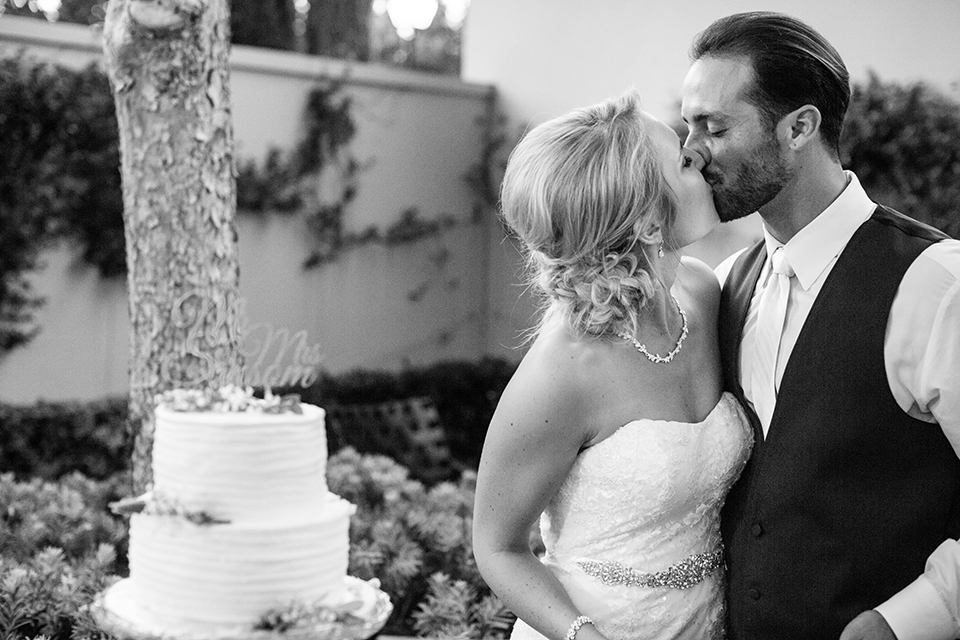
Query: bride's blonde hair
{"x": 579, "y": 191}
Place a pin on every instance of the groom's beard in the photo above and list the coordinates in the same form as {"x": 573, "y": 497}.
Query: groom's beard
{"x": 755, "y": 182}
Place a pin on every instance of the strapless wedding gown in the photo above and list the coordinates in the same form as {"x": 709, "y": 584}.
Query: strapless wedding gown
{"x": 633, "y": 534}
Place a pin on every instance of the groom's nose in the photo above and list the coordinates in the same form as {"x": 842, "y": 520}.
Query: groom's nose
{"x": 698, "y": 160}
{"x": 695, "y": 144}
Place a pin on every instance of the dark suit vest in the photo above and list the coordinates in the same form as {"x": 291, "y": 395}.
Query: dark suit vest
{"x": 840, "y": 506}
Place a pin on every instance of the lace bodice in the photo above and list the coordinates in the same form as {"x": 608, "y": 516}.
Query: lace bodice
{"x": 647, "y": 497}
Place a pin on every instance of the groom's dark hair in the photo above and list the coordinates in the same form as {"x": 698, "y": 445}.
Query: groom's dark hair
{"x": 793, "y": 65}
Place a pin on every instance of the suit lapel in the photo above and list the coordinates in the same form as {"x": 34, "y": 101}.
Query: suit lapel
{"x": 734, "y": 304}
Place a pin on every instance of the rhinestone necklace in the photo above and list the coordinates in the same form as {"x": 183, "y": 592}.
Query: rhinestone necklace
{"x": 653, "y": 357}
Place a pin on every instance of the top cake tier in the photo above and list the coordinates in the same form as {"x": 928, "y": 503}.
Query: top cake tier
{"x": 242, "y": 466}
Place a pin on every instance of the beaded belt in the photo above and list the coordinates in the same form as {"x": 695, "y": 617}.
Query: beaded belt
{"x": 682, "y": 575}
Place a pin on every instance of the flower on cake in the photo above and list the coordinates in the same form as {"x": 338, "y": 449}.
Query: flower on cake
{"x": 353, "y": 606}
{"x": 229, "y": 398}
{"x": 156, "y": 503}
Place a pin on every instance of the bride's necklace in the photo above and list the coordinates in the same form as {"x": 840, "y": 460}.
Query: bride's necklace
{"x": 653, "y": 357}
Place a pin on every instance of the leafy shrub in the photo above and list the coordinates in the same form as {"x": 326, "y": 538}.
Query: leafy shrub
{"x": 48, "y": 440}
{"x": 59, "y": 547}
{"x": 59, "y": 177}
{"x": 903, "y": 142}
{"x": 465, "y": 393}
{"x": 46, "y": 596}
{"x": 77, "y": 11}
{"x": 417, "y": 542}
{"x": 70, "y": 514}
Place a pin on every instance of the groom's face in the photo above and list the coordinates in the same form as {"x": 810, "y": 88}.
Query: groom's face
{"x": 745, "y": 165}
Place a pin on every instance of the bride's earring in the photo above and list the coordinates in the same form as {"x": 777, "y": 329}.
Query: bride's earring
{"x": 660, "y": 251}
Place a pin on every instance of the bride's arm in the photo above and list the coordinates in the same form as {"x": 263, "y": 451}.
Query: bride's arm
{"x": 532, "y": 442}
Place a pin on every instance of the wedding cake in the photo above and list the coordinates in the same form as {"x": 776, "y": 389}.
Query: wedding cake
{"x": 239, "y": 521}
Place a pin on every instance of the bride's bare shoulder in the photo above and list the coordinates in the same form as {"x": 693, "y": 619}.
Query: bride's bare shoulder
{"x": 552, "y": 377}
{"x": 699, "y": 283}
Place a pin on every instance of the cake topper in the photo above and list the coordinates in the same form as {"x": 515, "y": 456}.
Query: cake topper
{"x": 274, "y": 357}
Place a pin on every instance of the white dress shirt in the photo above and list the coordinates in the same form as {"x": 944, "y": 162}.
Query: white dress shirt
{"x": 922, "y": 358}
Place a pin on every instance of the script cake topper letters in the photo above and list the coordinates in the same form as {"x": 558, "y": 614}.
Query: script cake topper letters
{"x": 273, "y": 357}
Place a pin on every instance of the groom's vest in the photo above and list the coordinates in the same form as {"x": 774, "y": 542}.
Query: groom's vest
{"x": 839, "y": 507}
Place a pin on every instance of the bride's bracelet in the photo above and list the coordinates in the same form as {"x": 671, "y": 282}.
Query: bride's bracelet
{"x": 579, "y": 622}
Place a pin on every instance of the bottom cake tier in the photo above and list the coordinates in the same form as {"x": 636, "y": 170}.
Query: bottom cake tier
{"x": 234, "y": 573}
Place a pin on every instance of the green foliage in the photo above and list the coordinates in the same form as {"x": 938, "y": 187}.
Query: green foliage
{"x": 47, "y": 595}
{"x": 70, "y": 514}
{"x": 58, "y": 548}
{"x": 465, "y": 393}
{"x": 417, "y": 542}
{"x": 485, "y": 175}
{"x": 49, "y": 440}
{"x": 290, "y": 181}
{"x": 262, "y": 23}
{"x": 903, "y": 142}
{"x": 59, "y": 178}
{"x": 453, "y": 609}
{"x": 78, "y": 11}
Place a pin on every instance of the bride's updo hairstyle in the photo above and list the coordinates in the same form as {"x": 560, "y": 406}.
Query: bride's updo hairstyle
{"x": 579, "y": 191}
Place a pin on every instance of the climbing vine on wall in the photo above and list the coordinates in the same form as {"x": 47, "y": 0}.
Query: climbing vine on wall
{"x": 60, "y": 178}
{"x": 292, "y": 181}
{"x": 297, "y": 182}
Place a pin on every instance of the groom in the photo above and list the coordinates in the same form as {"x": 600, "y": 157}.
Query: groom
{"x": 840, "y": 330}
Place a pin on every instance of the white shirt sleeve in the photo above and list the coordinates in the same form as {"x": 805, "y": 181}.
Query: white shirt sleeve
{"x": 922, "y": 357}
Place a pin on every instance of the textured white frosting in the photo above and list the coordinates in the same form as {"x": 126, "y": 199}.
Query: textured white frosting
{"x": 287, "y": 538}
{"x": 233, "y": 574}
{"x": 242, "y": 466}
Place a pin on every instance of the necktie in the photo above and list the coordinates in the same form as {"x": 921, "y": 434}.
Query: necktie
{"x": 771, "y": 315}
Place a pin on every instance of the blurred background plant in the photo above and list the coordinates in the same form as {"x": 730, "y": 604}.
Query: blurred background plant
{"x": 417, "y": 542}
{"x": 903, "y": 142}
{"x": 59, "y": 178}
{"x": 59, "y": 547}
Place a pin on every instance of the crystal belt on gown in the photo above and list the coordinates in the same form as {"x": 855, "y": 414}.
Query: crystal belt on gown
{"x": 681, "y": 575}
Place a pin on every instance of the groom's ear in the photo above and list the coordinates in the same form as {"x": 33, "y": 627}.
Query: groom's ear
{"x": 800, "y": 126}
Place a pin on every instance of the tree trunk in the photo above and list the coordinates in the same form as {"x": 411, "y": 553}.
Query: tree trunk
{"x": 168, "y": 65}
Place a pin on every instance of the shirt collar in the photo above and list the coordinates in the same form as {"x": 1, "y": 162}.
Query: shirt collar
{"x": 813, "y": 248}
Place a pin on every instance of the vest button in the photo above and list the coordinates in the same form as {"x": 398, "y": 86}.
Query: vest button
{"x": 757, "y": 530}
{"x": 754, "y": 594}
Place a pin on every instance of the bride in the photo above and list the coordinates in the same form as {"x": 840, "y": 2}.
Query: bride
{"x": 614, "y": 430}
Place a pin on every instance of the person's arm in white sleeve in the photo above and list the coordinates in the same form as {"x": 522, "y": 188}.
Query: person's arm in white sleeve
{"x": 922, "y": 355}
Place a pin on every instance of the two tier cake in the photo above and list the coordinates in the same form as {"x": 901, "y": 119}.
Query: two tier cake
{"x": 240, "y": 521}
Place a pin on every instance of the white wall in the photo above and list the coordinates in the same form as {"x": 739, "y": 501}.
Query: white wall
{"x": 417, "y": 136}
{"x": 549, "y": 56}
{"x": 543, "y": 57}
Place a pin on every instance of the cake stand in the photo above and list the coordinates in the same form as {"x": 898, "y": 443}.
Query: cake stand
{"x": 118, "y": 613}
